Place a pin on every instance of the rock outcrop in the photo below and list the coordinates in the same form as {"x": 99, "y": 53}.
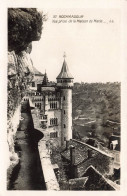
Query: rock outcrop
{"x": 20, "y": 73}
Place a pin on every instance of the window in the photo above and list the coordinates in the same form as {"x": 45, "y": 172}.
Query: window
{"x": 56, "y": 105}
{"x": 64, "y": 98}
{"x": 33, "y": 84}
{"x": 64, "y": 111}
{"x": 64, "y": 126}
{"x": 53, "y": 121}
{"x": 53, "y": 135}
{"x": 45, "y": 117}
{"x": 53, "y": 105}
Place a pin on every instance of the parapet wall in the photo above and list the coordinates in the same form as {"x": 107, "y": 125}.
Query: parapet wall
{"x": 44, "y": 153}
{"x": 48, "y": 172}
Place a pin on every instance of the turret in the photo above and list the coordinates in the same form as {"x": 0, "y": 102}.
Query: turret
{"x": 65, "y": 79}
{"x": 65, "y": 85}
{"x": 45, "y": 80}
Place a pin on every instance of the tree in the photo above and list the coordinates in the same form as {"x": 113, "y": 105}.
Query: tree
{"x": 24, "y": 26}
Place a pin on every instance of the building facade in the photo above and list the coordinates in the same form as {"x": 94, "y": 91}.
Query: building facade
{"x": 54, "y": 103}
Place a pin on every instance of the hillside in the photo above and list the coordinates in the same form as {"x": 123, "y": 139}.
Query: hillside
{"x": 96, "y": 108}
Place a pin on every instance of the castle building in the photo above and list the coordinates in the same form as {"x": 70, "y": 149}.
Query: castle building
{"x": 54, "y": 101}
{"x": 37, "y": 79}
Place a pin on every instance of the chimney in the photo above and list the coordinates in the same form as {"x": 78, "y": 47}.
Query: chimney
{"x": 89, "y": 153}
{"x": 72, "y": 155}
{"x": 67, "y": 144}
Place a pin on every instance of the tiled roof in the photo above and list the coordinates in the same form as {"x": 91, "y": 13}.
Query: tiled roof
{"x": 64, "y": 74}
{"x": 96, "y": 181}
{"x": 92, "y": 180}
{"x": 80, "y": 156}
{"x": 77, "y": 183}
{"x": 81, "y": 152}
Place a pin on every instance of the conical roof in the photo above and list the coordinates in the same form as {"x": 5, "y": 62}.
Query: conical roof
{"x": 45, "y": 79}
{"x": 64, "y": 74}
{"x": 36, "y": 72}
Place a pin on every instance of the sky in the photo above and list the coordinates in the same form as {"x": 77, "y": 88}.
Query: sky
{"x": 92, "y": 48}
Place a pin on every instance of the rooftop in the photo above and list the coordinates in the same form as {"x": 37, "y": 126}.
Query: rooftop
{"x": 64, "y": 74}
{"x": 81, "y": 151}
{"x": 97, "y": 181}
{"x": 36, "y": 72}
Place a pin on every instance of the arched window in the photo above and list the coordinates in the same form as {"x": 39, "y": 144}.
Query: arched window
{"x": 64, "y": 126}
{"x": 64, "y": 98}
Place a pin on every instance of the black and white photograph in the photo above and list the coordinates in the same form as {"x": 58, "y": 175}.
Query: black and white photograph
{"x": 64, "y": 126}
{"x": 63, "y": 99}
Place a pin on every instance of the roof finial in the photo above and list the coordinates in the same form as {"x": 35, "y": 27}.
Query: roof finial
{"x": 64, "y": 55}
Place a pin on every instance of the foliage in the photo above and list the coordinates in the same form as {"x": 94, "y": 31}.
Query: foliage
{"x": 96, "y": 102}
{"x": 24, "y": 26}
{"x": 97, "y": 99}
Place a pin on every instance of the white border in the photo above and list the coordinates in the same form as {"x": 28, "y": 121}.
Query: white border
{"x": 3, "y": 81}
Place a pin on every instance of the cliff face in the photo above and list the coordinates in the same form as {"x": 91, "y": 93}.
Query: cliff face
{"x": 24, "y": 26}
{"x": 20, "y": 73}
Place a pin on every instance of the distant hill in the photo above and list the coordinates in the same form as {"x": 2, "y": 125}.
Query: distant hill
{"x": 95, "y": 106}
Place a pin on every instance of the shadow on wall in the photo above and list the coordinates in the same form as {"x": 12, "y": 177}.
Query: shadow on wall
{"x": 28, "y": 174}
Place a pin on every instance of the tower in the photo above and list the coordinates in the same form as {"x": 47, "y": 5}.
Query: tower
{"x": 65, "y": 85}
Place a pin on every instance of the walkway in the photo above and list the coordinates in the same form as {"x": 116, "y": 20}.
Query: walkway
{"x": 28, "y": 173}
{"x": 47, "y": 167}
